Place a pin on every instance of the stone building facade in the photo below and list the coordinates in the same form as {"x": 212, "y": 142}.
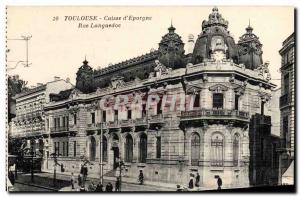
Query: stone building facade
{"x": 287, "y": 104}
{"x": 28, "y": 127}
{"x": 194, "y": 114}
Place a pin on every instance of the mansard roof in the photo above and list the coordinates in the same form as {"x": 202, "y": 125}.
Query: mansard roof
{"x": 125, "y": 64}
{"x": 62, "y": 95}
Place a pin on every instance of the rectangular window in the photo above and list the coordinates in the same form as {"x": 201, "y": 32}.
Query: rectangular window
{"x": 217, "y": 152}
{"x": 218, "y": 100}
{"x": 286, "y": 83}
{"x": 93, "y": 117}
{"x": 236, "y": 102}
{"x": 47, "y": 126}
{"x": 75, "y": 119}
{"x": 116, "y": 115}
{"x": 74, "y": 149}
{"x": 129, "y": 114}
{"x": 103, "y": 116}
{"x": 285, "y": 128}
{"x": 63, "y": 150}
{"x": 262, "y": 147}
{"x": 58, "y": 151}
{"x": 159, "y": 107}
{"x": 144, "y": 111}
{"x": 58, "y": 122}
{"x": 158, "y": 147}
{"x": 63, "y": 121}
{"x": 197, "y": 100}
{"x": 67, "y": 149}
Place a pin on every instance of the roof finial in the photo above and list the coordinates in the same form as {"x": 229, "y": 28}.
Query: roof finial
{"x": 171, "y": 28}
{"x": 249, "y": 29}
{"x": 85, "y": 62}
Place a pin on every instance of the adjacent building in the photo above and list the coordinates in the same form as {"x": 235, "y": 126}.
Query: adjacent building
{"x": 169, "y": 113}
{"x": 27, "y": 129}
{"x": 287, "y": 110}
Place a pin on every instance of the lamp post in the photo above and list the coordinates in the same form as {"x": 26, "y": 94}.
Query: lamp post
{"x": 32, "y": 155}
{"x": 55, "y": 155}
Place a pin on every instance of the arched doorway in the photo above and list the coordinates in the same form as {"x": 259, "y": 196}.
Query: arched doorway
{"x": 143, "y": 148}
{"x": 115, "y": 149}
{"x": 195, "y": 149}
{"x": 92, "y": 149}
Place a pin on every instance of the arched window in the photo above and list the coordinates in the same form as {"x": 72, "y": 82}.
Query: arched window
{"x": 143, "y": 148}
{"x": 236, "y": 151}
{"x": 217, "y": 150}
{"x": 128, "y": 148}
{"x": 92, "y": 149}
{"x": 158, "y": 147}
{"x": 104, "y": 148}
{"x": 195, "y": 149}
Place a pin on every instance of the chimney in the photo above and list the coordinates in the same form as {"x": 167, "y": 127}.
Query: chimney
{"x": 191, "y": 44}
{"x": 56, "y": 78}
{"x": 68, "y": 80}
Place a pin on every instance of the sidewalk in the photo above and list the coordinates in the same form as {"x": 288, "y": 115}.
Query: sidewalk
{"x": 95, "y": 178}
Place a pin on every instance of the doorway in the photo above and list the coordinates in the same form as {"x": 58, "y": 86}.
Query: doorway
{"x": 116, "y": 157}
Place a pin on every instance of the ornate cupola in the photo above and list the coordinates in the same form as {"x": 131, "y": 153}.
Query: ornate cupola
{"x": 171, "y": 50}
{"x": 85, "y": 78}
{"x": 215, "y": 40}
{"x": 250, "y": 52}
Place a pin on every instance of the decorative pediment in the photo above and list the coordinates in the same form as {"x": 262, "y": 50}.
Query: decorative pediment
{"x": 218, "y": 88}
{"x": 193, "y": 89}
{"x": 263, "y": 70}
{"x": 116, "y": 82}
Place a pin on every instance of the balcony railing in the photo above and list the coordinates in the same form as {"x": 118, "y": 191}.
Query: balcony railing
{"x": 285, "y": 100}
{"x": 58, "y": 129}
{"x": 210, "y": 113}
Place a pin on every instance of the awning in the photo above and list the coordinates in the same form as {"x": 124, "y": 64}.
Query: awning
{"x": 288, "y": 176}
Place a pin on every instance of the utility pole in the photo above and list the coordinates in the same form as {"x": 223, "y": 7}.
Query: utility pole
{"x": 101, "y": 153}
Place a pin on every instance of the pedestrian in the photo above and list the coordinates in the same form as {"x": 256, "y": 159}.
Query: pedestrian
{"x": 99, "y": 188}
{"x": 179, "y": 189}
{"x": 219, "y": 181}
{"x": 191, "y": 182}
{"x": 79, "y": 180}
{"x": 117, "y": 186}
{"x": 85, "y": 173}
{"x": 141, "y": 177}
{"x": 109, "y": 187}
{"x": 72, "y": 180}
{"x": 197, "y": 182}
{"x": 91, "y": 187}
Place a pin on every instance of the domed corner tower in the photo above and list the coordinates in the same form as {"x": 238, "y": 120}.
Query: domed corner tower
{"x": 250, "y": 49}
{"x": 85, "y": 78}
{"x": 215, "y": 40}
{"x": 171, "y": 50}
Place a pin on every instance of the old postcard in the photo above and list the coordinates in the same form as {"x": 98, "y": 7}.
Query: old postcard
{"x": 150, "y": 99}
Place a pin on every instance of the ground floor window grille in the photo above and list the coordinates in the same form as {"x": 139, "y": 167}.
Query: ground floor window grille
{"x": 217, "y": 150}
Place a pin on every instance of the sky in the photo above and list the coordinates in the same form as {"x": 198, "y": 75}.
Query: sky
{"x": 58, "y": 47}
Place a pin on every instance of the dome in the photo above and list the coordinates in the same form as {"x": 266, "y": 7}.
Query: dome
{"x": 171, "y": 49}
{"x": 214, "y": 37}
{"x": 250, "y": 49}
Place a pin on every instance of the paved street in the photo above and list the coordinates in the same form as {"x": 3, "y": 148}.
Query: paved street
{"x": 44, "y": 182}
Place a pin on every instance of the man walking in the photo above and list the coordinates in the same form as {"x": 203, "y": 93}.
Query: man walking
{"x": 219, "y": 181}
{"x": 72, "y": 180}
{"x": 197, "y": 182}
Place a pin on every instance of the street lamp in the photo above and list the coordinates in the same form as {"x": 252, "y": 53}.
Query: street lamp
{"x": 31, "y": 153}
{"x": 55, "y": 155}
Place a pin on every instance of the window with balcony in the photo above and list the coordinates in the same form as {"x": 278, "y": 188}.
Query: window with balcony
{"x": 217, "y": 150}
{"x": 158, "y": 147}
{"x": 128, "y": 148}
{"x": 218, "y": 100}
{"x": 235, "y": 148}
{"x": 195, "y": 149}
